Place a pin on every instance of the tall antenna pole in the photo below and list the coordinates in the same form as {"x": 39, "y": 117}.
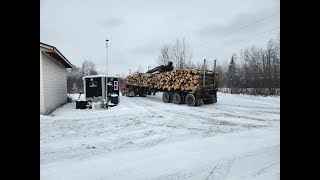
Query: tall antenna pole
{"x": 204, "y": 73}
{"x": 107, "y": 57}
{"x": 107, "y": 74}
{"x": 214, "y": 73}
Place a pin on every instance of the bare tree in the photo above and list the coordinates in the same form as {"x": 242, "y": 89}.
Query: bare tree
{"x": 181, "y": 54}
{"x": 165, "y": 55}
{"x": 74, "y": 76}
{"x": 89, "y": 68}
{"x": 199, "y": 65}
{"x": 139, "y": 69}
{"x": 74, "y": 80}
{"x": 178, "y": 52}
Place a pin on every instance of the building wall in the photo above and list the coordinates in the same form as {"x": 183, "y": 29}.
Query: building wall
{"x": 42, "y": 110}
{"x": 54, "y": 76}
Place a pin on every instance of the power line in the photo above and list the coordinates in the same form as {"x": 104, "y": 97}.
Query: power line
{"x": 248, "y": 38}
{"x": 255, "y": 35}
{"x": 253, "y": 23}
{"x": 243, "y": 27}
{"x": 252, "y": 35}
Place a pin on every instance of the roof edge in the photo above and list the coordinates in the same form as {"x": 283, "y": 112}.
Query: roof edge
{"x": 54, "y": 49}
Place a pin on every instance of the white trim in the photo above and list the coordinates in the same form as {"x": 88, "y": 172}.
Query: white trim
{"x": 46, "y": 46}
{"x": 41, "y": 85}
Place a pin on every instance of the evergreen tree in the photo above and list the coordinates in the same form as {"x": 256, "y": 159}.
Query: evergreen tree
{"x": 232, "y": 74}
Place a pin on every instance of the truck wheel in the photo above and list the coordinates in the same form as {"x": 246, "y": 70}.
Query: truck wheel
{"x": 176, "y": 98}
{"x": 190, "y": 100}
{"x": 166, "y": 97}
{"x": 131, "y": 93}
{"x": 208, "y": 101}
{"x": 198, "y": 102}
{"x": 143, "y": 94}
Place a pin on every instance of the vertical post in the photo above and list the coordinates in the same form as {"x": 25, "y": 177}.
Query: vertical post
{"x": 107, "y": 57}
{"x": 214, "y": 73}
{"x": 107, "y": 76}
{"x": 84, "y": 87}
{"x": 129, "y": 72}
{"x": 204, "y": 73}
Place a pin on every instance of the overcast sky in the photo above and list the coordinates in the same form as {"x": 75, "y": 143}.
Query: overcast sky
{"x": 136, "y": 29}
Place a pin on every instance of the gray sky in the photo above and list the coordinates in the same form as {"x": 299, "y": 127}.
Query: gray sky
{"x": 136, "y": 29}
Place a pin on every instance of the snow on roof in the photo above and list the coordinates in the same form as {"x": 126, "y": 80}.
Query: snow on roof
{"x": 100, "y": 75}
{"x": 113, "y": 76}
{"x": 92, "y": 76}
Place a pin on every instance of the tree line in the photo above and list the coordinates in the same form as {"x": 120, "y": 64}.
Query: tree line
{"x": 254, "y": 71}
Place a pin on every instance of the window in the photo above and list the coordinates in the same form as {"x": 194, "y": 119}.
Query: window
{"x": 115, "y": 85}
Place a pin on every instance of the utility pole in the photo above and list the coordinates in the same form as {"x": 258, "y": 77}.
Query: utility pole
{"x": 107, "y": 73}
{"x": 214, "y": 73}
{"x": 204, "y": 73}
{"x": 107, "y": 57}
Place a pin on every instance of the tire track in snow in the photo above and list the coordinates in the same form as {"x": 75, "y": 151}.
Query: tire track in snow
{"x": 204, "y": 120}
{"x": 221, "y": 170}
{"x": 200, "y": 109}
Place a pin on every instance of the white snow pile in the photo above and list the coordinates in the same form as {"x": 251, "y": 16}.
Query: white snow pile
{"x": 144, "y": 138}
{"x": 77, "y": 97}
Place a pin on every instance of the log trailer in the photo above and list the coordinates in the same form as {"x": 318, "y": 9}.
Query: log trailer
{"x": 192, "y": 86}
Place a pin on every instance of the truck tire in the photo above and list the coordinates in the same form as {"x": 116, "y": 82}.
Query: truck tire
{"x": 207, "y": 101}
{"x": 199, "y": 102}
{"x": 176, "y": 98}
{"x": 131, "y": 93}
{"x": 166, "y": 97}
{"x": 190, "y": 100}
{"x": 143, "y": 94}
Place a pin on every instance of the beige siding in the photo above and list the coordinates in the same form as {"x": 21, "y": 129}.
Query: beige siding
{"x": 42, "y": 110}
{"x": 54, "y": 83}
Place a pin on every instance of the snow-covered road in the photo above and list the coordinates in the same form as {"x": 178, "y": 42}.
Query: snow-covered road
{"x": 144, "y": 138}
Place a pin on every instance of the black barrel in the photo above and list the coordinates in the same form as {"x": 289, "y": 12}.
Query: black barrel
{"x": 81, "y": 104}
{"x": 114, "y": 99}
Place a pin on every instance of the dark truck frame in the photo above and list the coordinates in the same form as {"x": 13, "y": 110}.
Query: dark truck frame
{"x": 206, "y": 94}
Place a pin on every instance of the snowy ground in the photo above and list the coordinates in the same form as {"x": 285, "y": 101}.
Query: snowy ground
{"x": 145, "y": 138}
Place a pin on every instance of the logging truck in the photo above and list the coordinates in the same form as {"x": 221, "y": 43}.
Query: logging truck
{"x": 191, "y": 86}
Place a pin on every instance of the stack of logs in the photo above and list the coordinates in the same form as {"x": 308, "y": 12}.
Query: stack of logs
{"x": 137, "y": 79}
{"x": 179, "y": 79}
